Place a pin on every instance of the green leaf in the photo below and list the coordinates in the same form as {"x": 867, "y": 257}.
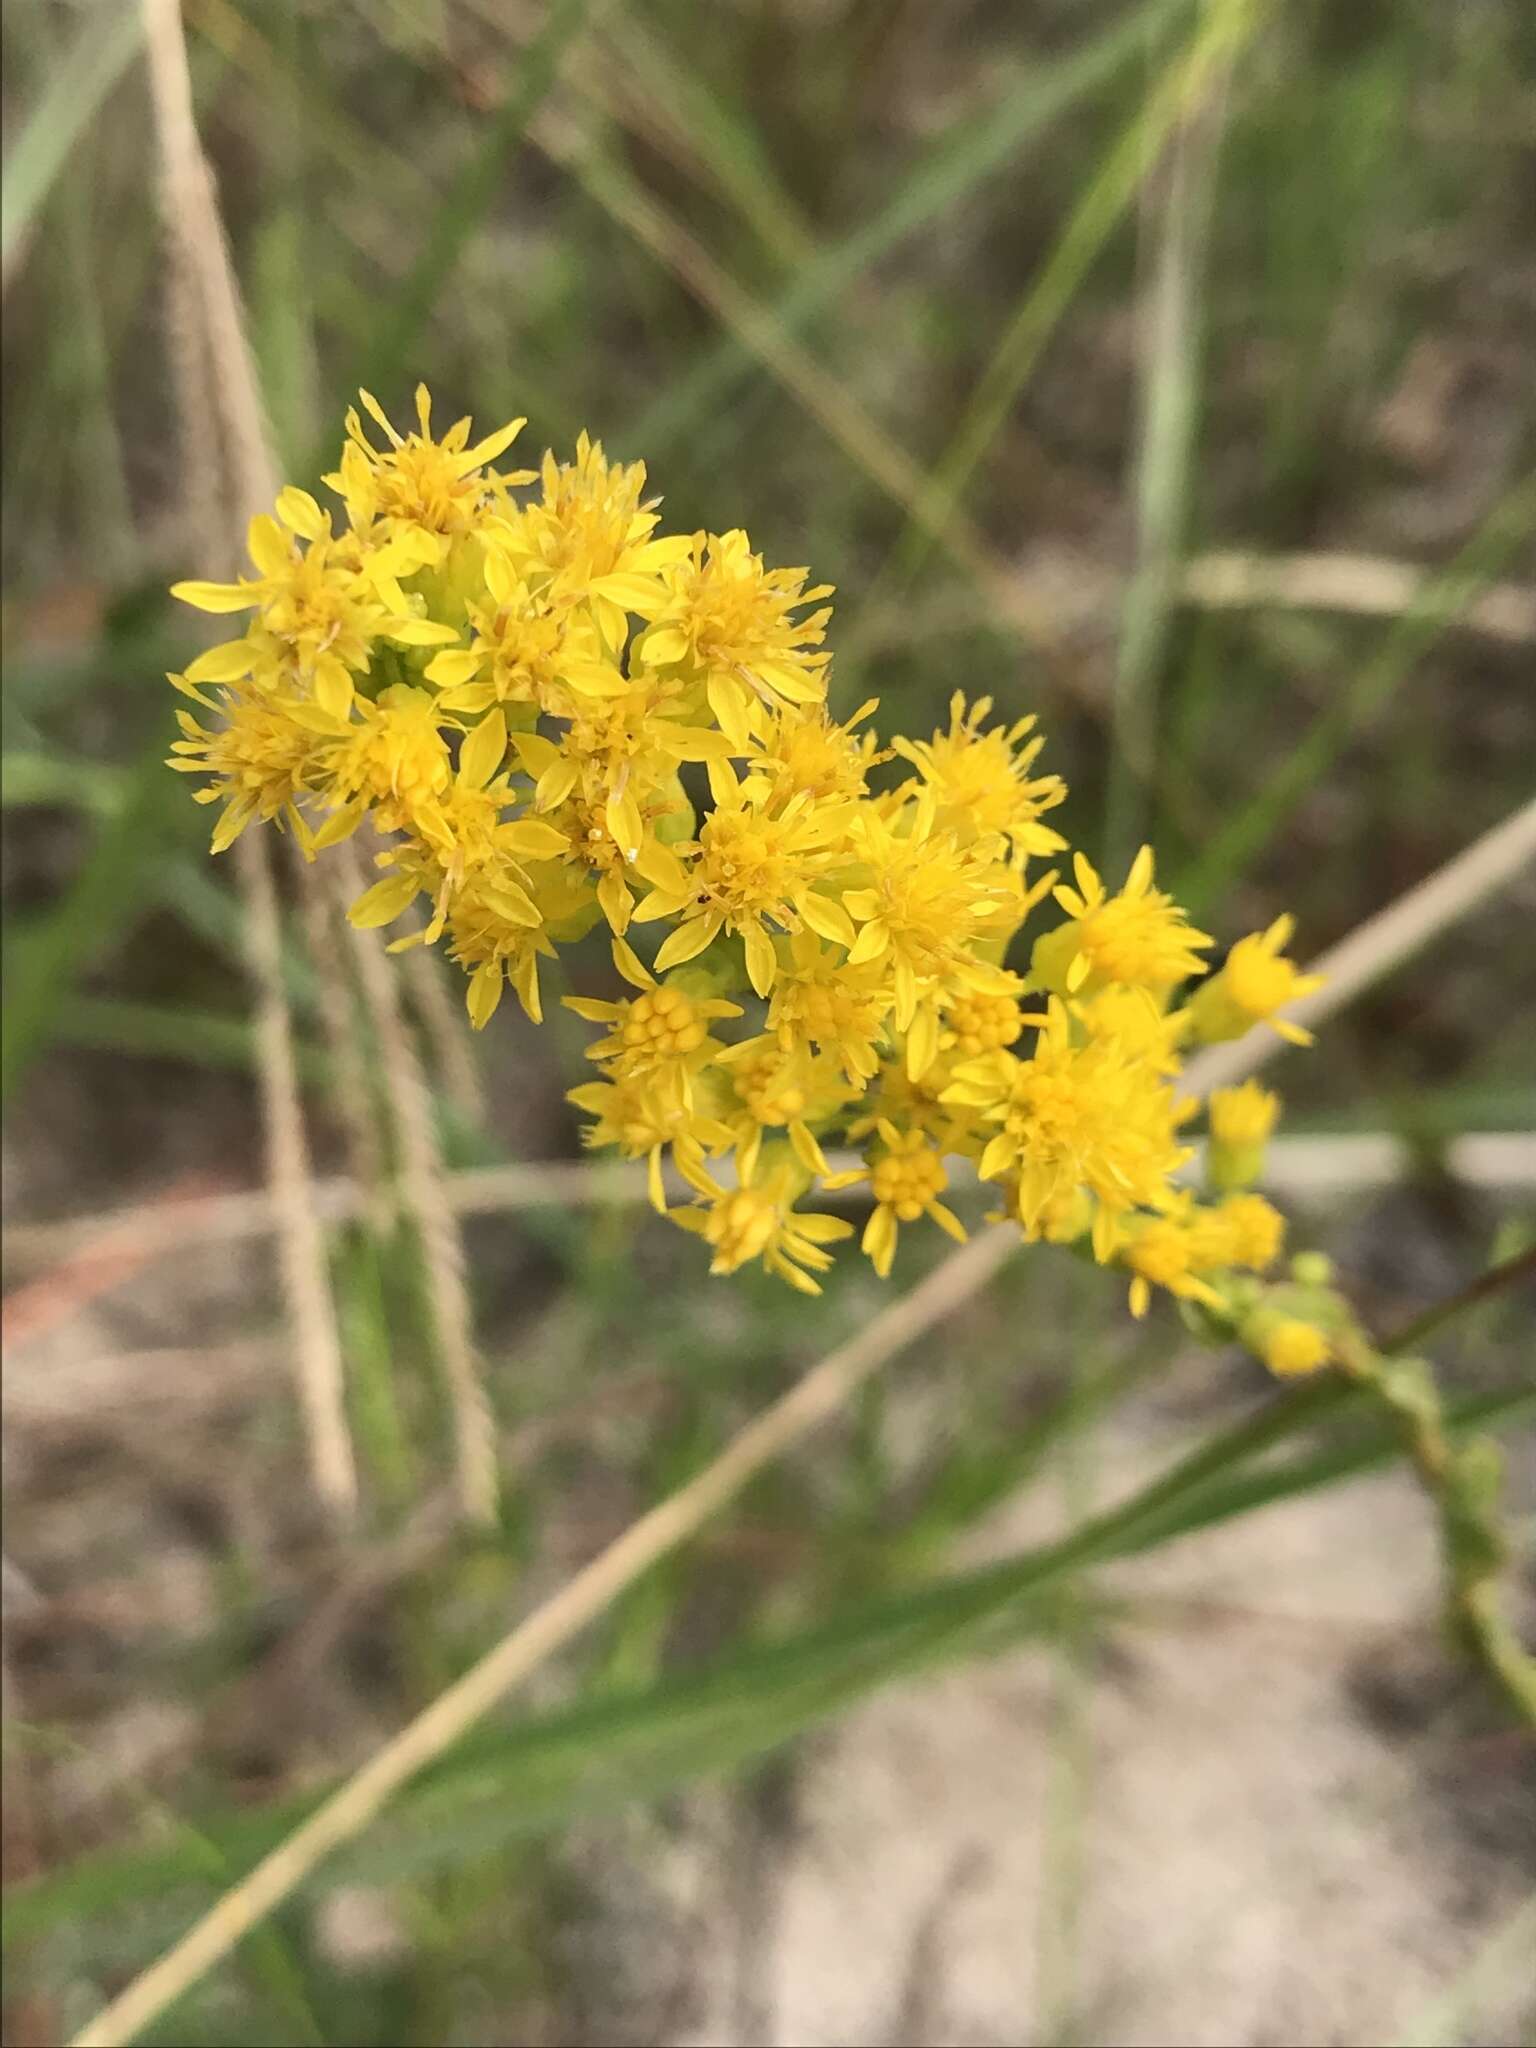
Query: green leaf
{"x": 101, "y": 53}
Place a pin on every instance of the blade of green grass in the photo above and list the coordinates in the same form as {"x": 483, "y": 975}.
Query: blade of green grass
{"x": 70, "y": 102}
{"x": 970, "y": 151}
{"x": 170, "y": 1031}
{"x": 46, "y": 960}
{"x": 1182, "y": 84}
{"x": 30, "y": 777}
{"x": 1173, "y": 317}
{"x": 724, "y": 144}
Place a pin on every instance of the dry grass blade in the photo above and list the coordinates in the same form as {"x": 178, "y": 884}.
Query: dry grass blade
{"x": 823, "y": 1391}
{"x": 215, "y": 389}
{"x": 301, "y": 1239}
{"x": 421, "y": 1182}
{"x": 324, "y": 924}
{"x": 1299, "y": 1166}
{"x": 447, "y": 1030}
{"x": 1369, "y": 585}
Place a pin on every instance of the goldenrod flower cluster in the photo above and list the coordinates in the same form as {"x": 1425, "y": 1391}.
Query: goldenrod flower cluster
{"x": 557, "y": 716}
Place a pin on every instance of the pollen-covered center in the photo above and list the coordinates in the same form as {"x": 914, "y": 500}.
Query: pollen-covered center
{"x": 983, "y": 1023}
{"x": 765, "y": 1089}
{"x": 744, "y": 867}
{"x": 661, "y": 1025}
{"x": 907, "y": 1181}
{"x": 742, "y": 1226}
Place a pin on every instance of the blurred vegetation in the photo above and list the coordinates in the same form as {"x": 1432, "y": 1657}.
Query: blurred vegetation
{"x": 997, "y": 317}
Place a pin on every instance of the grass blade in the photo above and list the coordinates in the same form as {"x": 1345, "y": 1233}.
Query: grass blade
{"x": 73, "y": 97}
{"x": 969, "y": 152}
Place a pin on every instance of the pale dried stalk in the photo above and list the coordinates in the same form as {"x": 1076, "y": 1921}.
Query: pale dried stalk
{"x": 447, "y": 1028}
{"x": 1499, "y": 1162}
{"x": 421, "y": 1184}
{"x": 1370, "y": 585}
{"x": 214, "y": 389}
{"x": 301, "y": 1236}
{"x": 324, "y": 917}
{"x": 193, "y": 199}
{"x": 820, "y": 1394}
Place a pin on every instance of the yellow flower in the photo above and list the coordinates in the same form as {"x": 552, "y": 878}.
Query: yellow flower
{"x": 1138, "y": 1022}
{"x": 1139, "y": 937}
{"x": 803, "y": 753}
{"x": 1074, "y": 1116}
{"x": 588, "y": 537}
{"x": 906, "y": 1177}
{"x": 977, "y": 1022}
{"x": 819, "y": 1001}
{"x": 644, "y": 1115}
{"x": 981, "y": 781}
{"x": 928, "y": 904}
{"x": 1241, "y": 1120}
{"x": 516, "y": 692}
{"x": 320, "y": 608}
{"x": 758, "y": 1220}
{"x": 262, "y": 759}
{"x": 1290, "y": 1347}
{"x": 730, "y": 621}
{"x": 420, "y": 491}
{"x": 1244, "y": 1230}
{"x": 748, "y": 868}
{"x": 522, "y": 645}
{"x": 1168, "y": 1251}
{"x": 1188, "y": 1240}
{"x": 1256, "y": 982}
{"x": 779, "y": 1089}
{"x": 663, "y": 1030}
{"x": 920, "y": 1105}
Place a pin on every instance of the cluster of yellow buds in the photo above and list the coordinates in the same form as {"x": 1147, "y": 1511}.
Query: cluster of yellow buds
{"x": 556, "y": 716}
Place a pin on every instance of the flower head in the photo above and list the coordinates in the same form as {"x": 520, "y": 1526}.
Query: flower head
{"x": 981, "y": 781}
{"x": 906, "y": 1178}
{"x": 1139, "y": 937}
{"x": 1255, "y": 984}
{"x": 757, "y": 1219}
{"x": 417, "y": 490}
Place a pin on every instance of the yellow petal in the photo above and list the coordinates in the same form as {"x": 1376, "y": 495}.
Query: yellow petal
{"x": 223, "y": 664}
{"x": 827, "y": 918}
{"x": 454, "y": 667}
{"x": 298, "y": 510}
{"x": 483, "y": 753}
{"x": 762, "y": 961}
{"x": 217, "y": 597}
{"x": 383, "y": 902}
{"x": 686, "y": 942}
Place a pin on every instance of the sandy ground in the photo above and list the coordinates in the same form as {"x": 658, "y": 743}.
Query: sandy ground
{"x": 1289, "y": 1822}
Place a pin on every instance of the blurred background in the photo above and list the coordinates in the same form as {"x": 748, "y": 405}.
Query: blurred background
{"x": 1165, "y": 369}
